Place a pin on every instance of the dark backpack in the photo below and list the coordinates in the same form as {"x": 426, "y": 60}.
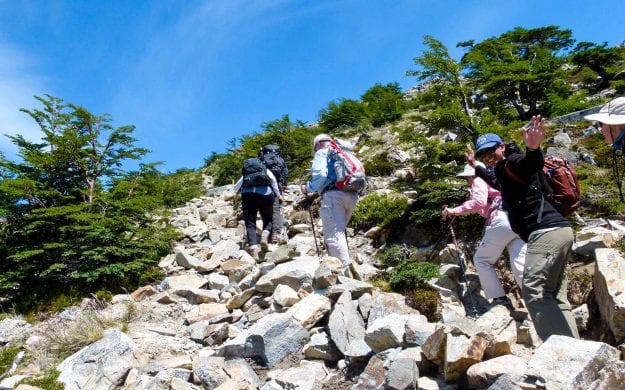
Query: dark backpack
{"x": 255, "y": 173}
{"x": 350, "y": 173}
{"x": 272, "y": 160}
{"x": 560, "y": 187}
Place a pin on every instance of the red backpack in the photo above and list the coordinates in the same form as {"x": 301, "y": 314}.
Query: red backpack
{"x": 350, "y": 173}
{"x": 564, "y": 192}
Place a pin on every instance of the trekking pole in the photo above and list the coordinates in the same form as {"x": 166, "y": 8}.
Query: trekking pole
{"x": 312, "y": 224}
{"x": 461, "y": 262}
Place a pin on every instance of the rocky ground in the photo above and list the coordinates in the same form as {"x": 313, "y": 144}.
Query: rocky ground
{"x": 223, "y": 320}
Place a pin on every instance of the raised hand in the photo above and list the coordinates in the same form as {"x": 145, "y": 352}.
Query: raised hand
{"x": 534, "y": 133}
{"x": 470, "y": 155}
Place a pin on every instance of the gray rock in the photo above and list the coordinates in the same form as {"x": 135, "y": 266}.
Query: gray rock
{"x": 270, "y": 339}
{"x": 101, "y": 365}
{"x": 209, "y": 371}
{"x": 13, "y": 329}
{"x": 609, "y": 288}
{"x": 347, "y": 328}
{"x": 567, "y": 363}
{"x": 321, "y": 347}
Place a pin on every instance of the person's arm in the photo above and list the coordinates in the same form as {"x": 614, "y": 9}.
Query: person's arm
{"x": 478, "y": 198}
{"x": 274, "y": 183}
{"x": 237, "y": 185}
{"x": 319, "y": 172}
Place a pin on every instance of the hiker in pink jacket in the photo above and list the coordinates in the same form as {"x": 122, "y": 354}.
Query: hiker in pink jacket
{"x": 486, "y": 201}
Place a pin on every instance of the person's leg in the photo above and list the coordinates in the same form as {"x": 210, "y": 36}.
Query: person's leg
{"x": 517, "y": 249}
{"x": 277, "y": 221}
{"x": 334, "y": 220}
{"x": 544, "y": 283}
{"x": 250, "y": 209}
{"x": 487, "y": 254}
{"x": 265, "y": 204}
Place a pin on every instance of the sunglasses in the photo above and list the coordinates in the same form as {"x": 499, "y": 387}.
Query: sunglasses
{"x": 487, "y": 152}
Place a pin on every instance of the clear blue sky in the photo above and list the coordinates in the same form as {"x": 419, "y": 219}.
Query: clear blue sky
{"x": 191, "y": 75}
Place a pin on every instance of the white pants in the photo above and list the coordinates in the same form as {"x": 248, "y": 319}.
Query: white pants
{"x": 336, "y": 210}
{"x": 497, "y": 236}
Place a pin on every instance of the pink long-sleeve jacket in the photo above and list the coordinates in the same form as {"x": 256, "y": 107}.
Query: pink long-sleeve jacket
{"x": 483, "y": 199}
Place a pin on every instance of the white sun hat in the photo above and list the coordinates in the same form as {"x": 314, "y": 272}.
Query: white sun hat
{"x": 469, "y": 170}
{"x": 612, "y": 113}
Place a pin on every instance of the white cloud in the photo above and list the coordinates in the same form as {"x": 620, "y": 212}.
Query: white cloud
{"x": 17, "y": 88}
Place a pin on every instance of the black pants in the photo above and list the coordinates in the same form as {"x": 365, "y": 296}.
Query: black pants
{"x": 252, "y": 204}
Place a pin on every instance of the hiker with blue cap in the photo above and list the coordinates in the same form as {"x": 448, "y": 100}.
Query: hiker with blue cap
{"x": 548, "y": 234}
{"x": 486, "y": 201}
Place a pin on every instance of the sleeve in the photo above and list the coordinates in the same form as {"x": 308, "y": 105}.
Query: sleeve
{"x": 478, "y": 199}
{"x": 319, "y": 172}
{"x": 274, "y": 183}
{"x": 488, "y": 176}
{"x": 526, "y": 164}
{"x": 237, "y": 185}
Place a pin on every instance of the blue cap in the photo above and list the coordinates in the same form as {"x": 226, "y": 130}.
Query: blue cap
{"x": 487, "y": 141}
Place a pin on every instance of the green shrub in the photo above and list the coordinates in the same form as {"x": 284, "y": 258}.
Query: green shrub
{"x": 379, "y": 165}
{"x": 345, "y": 112}
{"x": 426, "y": 299}
{"x": 380, "y": 210}
{"x": 46, "y": 382}
{"x": 7, "y": 356}
{"x": 394, "y": 255}
{"x": 409, "y": 275}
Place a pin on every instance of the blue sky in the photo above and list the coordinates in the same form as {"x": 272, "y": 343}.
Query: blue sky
{"x": 191, "y": 75}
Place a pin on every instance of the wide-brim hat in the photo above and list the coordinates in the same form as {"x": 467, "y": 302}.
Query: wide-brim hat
{"x": 469, "y": 170}
{"x": 321, "y": 138}
{"x": 612, "y": 113}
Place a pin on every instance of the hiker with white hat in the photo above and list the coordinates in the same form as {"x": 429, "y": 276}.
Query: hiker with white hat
{"x": 611, "y": 118}
{"x": 336, "y": 206}
{"x": 498, "y": 235}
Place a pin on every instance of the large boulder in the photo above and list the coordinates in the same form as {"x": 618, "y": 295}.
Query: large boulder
{"x": 270, "y": 339}
{"x": 101, "y": 365}
{"x": 609, "y": 288}
{"x": 568, "y": 363}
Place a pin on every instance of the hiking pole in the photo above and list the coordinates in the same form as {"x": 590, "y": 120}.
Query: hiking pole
{"x": 312, "y": 225}
{"x": 461, "y": 262}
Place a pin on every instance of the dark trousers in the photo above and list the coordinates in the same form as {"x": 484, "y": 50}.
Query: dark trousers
{"x": 252, "y": 204}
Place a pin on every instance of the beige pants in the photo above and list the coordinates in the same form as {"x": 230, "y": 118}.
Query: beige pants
{"x": 545, "y": 284}
{"x": 336, "y": 210}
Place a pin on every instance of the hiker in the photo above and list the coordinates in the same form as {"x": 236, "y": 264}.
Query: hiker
{"x": 270, "y": 156}
{"x": 611, "y": 119}
{"x": 548, "y": 234}
{"x": 486, "y": 201}
{"x": 336, "y": 205}
{"x": 258, "y": 188}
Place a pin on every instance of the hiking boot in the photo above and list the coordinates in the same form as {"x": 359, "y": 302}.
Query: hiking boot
{"x": 504, "y": 301}
{"x": 264, "y": 240}
{"x": 254, "y": 251}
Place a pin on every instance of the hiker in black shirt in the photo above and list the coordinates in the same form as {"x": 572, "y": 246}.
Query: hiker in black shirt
{"x": 548, "y": 234}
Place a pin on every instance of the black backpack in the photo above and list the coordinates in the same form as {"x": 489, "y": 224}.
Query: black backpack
{"x": 270, "y": 156}
{"x": 255, "y": 173}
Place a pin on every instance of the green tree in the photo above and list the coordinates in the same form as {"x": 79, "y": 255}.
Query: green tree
{"x": 447, "y": 93}
{"x": 74, "y": 220}
{"x": 344, "y": 113}
{"x": 384, "y": 103}
{"x": 518, "y": 68}
{"x": 597, "y": 58}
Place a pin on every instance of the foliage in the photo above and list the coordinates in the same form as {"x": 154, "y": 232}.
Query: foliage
{"x": 379, "y": 165}
{"x": 381, "y": 210}
{"x": 426, "y": 299}
{"x": 7, "y": 356}
{"x": 76, "y": 222}
{"x": 598, "y": 58}
{"x": 47, "y": 381}
{"x": 409, "y": 275}
{"x": 394, "y": 255}
{"x": 447, "y": 95}
{"x": 343, "y": 113}
{"x": 518, "y": 68}
{"x": 294, "y": 139}
{"x": 384, "y": 103}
